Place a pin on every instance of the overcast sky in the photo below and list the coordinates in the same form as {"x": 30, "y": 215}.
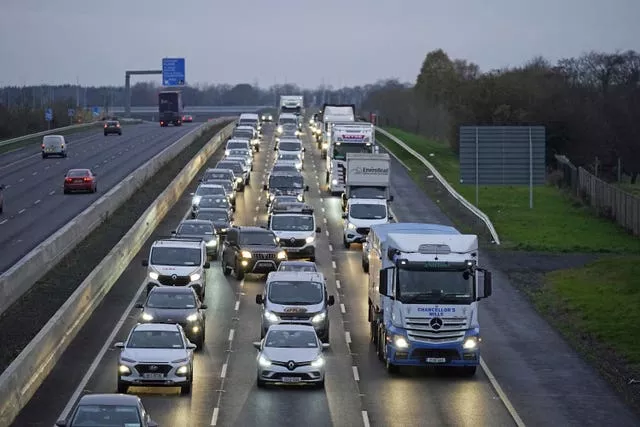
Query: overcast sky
{"x": 340, "y": 42}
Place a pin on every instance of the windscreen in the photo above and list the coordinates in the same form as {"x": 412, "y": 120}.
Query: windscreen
{"x": 195, "y": 229}
{"x": 248, "y": 122}
{"x": 217, "y": 175}
{"x": 285, "y": 168}
{"x": 340, "y": 151}
{"x": 289, "y": 146}
{"x": 285, "y": 181}
{"x": 155, "y": 339}
{"x": 292, "y": 223}
{"x": 210, "y": 191}
{"x": 77, "y": 173}
{"x": 215, "y": 216}
{"x": 310, "y": 268}
{"x": 178, "y": 257}
{"x": 237, "y": 144}
{"x": 431, "y": 286}
{"x": 367, "y": 193}
{"x": 243, "y": 133}
{"x": 166, "y": 300}
{"x": 213, "y": 202}
{"x": 227, "y": 184}
{"x": 297, "y": 292}
{"x": 239, "y": 152}
{"x": 291, "y": 339}
{"x": 235, "y": 167}
{"x": 287, "y": 120}
{"x": 257, "y": 238}
{"x": 288, "y": 156}
{"x": 106, "y": 415}
{"x": 366, "y": 211}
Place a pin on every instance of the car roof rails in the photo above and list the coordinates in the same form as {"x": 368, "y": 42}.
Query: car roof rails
{"x": 173, "y": 238}
{"x": 292, "y": 207}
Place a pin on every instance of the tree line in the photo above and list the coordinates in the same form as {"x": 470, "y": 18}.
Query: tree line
{"x": 590, "y": 105}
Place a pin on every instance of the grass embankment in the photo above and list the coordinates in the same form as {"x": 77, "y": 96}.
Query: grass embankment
{"x": 598, "y": 302}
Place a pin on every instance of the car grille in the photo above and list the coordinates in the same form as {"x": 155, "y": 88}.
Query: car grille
{"x": 424, "y": 353}
{"x": 295, "y": 365}
{"x": 262, "y": 256}
{"x": 295, "y": 243}
{"x": 303, "y": 376}
{"x": 149, "y": 369}
{"x": 363, "y": 230}
{"x": 170, "y": 281}
{"x": 296, "y": 316}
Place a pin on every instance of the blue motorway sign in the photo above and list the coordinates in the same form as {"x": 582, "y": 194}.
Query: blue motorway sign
{"x": 48, "y": 114}
{"x": 173, "y": 72}
{"x": 96, "y": 111}
{"x": 71, "y": 112}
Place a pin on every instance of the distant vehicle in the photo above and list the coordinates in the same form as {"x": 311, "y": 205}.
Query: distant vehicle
{"x": 54, "y": 145}
{"x": 112, "y": 126}
{"x": 267, "y": 118}
{"x": 118, "y": 409}
{"x": 80, "y": 180}
{"x": 170, "y": 108}
{"x": 187, "y": 118}
{"x": 1, "y": 198}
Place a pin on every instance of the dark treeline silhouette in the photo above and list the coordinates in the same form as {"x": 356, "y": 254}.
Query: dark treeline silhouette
{"x": 590, "y": 105}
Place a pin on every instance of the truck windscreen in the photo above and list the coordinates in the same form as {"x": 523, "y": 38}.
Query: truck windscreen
{"x": 367, "y": 193}
{"x": 367, "y": 211}
{"x": 416, "y": 284}
{"x": 340, "y": 150}
{"x": 294, "y": 110}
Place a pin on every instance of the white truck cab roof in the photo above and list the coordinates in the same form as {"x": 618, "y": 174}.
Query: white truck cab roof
{"x": 428, "y": 243}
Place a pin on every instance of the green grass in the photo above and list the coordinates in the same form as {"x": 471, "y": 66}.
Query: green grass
{"x": 555, "y": 224}
{"x": 630, "y": 188}
{"x": 597, "y": 302}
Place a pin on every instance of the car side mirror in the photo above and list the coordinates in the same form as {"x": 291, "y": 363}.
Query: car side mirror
{"x": 257, "y": 345}
{"x": 173, "y": 231}
{"x": 191, "y": 346}
{"x": 391, "y": 198}
{"x": 259, "y": 299}
{"x": 344, "y": 216}
{"x": 118, "y": 345}
{"x": 207, "y": 265}
{"x": 264, "y": 187}
{"x": 139, "y": 305}
{"x": 390, "y": 217}
{"x": 306, "y": 188}
{"x": 331, "y": 300}
{"x": 326, "y": 346}
{"x": 203, "y": 306}
{"x": 61, "y": 423}
{"x": 145, "y": 263}
{"x": 318, "y": 229}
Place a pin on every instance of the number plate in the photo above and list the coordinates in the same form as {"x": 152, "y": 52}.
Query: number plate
{"x": 436, "y": 360}
{"x": 153, "y": 376}
{"x": 291, "y": 379}
{"x": 292, "y": 249}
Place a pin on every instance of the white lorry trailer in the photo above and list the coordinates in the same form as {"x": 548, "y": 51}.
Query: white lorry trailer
{"x": 292, "y": 104}
{"x": 332, "y": 113}
{"x": 367, "y": 176}
{"x": 356, "y": 137}
{"x": 424, "y": 290}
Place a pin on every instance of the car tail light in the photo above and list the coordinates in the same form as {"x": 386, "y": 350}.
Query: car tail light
{"x": 68, "y": 180}
{"x": 43, "y": 146}
{"x": 118, "y": 125}
{"x": 105, "y": 125}
{"x": 87, "y": 179}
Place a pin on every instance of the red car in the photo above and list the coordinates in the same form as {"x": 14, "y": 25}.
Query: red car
{"x": 80, "y": 180}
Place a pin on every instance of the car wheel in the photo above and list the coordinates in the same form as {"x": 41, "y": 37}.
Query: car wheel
{"x": 185, "y": 389}
{"x": 122, "y": 387}
{"x": 65, "y": 191}
{"x": 225, "y": 268}
{"x": 261, "y": 383}
{"x": 239, "y": 272}
{"x": 320, "y": 384}
{"x": 44, "y": 156}
{"x": 200, "y": 342}
{"x": 467, "y": 371}
{"x": 105, "y": 134}
{"x": 325, "y": 337}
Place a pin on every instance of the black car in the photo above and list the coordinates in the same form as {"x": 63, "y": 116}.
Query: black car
{"x": 112, "y": 126}
{"x": 219, "y": 217}
{"x": 213, "y": 202}
{"x": 199, "y": 229}
{"x": 251, "y": 250}
{"x": 179, "y": 304}
{"x": 228, "y": 188}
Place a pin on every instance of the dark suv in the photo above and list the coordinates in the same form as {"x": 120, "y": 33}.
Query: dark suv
{"x": 251, "y": 250}
{"x": 112, "y": 126}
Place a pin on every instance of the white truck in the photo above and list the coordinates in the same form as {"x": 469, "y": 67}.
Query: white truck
{"x": 424, "y": 290}
{"x": 346, "y": 139}
{"x": 332, "y": 113}
{"x": 292, "y": 104}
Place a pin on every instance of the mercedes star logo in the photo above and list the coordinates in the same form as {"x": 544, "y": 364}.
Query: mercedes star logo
{"x": 291, "y": 365}
{"x": 174, "y": 276}
{"x": 436, "y": 323}
{"x": 153, "y": 368}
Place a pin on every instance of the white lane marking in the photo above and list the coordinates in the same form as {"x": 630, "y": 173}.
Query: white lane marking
{"x": 342, "y": 308}
{"x": 321, "y": 199}
{"x": 333, "y": 264}
{"x": 52, "y": 193}
{"x": 21, "y": 180}
{"x": 47, "y": 167}
{"x": 21, "y": 211}
{"x": 231, "y": 334}
{"x": 356, "y": 375}
{"x": 35, "y": 173}
{"x": 223, "y": 373}
{"x": 326, "y": 232}
{"x": 325, "y": 220}
{"x": 347, "y": 337}
{"x": 330, "y": 247}
{"x": 338, "y": 284}
{"x": 365, "y": 419}
{"x": 322, "y": 209}
{"x": 100, "y": 355}
{"x": 37, "y": 201}
{"x": 3, "y": 221}
{"x": 214, "y": 417}
{"x": 7, "y": 186}
{"x": 237, "y": 306}
{"x": 501, "y": 394}
{"x": 257, "y": 208}
{"x": 255, "y": 219}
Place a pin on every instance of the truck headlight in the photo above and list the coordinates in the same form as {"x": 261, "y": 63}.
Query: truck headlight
{"x": 147, "y": 317}
{"x": 310, "y": 239}
{"x": 227, "y": 152}
{"x": 270, "y": 317}
{"x": 470, "y": 343}
{"x": 194, "y": 277}
{"x": 245, "y": 254}
{"x": 153, "y": 275}
{"x": 400, "y": 342}
{"x": 192, "y": 318}
{"x": 239, "y": 179}
{"x": 318, "y": 363}
{"x": 279, "y": 129}
{"x": 351, "y": 226}
{"x": 281, "y": 255}
{"x": 264, "y": 362}
{"x": 319, "y": 318}
{"x": 300, "y": 197}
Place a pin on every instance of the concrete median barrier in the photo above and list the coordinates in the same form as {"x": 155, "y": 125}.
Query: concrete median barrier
{"x": 27, "y": 372}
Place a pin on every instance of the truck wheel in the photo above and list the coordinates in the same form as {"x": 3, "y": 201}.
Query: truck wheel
{"x": 225, "y": 268}
{"x": 365, "y": 266}
{"x": 380, "y": 344}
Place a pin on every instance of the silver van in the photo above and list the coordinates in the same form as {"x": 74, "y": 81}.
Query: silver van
{"x": 54, "y": 145}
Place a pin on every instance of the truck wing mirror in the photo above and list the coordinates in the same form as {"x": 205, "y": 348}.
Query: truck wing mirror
{"x": 344, "y": 216}
{"x": 383, "y": 285}
{"x": 331, "y": 300}
{"x": 145, "y": 262}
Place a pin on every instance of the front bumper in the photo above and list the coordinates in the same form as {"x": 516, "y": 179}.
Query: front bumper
{"x": 160, "y": 378}
{"x": 282, "y": 375}
{"x": 300, "y": 253}
{"x": 355, "y": 235}
{"x": 432, "y": 354}
{"x": 259, "y": 266}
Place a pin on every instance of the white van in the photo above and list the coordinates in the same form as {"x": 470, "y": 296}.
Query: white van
{"x": 54, "y": 145}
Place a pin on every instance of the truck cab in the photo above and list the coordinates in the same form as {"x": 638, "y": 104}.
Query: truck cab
{"x": 360, "y": 215}
{"x": 331, "y": 114}
{"x": 170, "y": 108}
{"x": 423, "y": 300}
{"x": 346, "y": 139}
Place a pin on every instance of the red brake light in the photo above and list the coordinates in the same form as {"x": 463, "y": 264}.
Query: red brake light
{"x": 42, "y": 146}
{"x": 105, "y": 125}
{"x": 68, "y": 180}
{"x": 87, "y": 179}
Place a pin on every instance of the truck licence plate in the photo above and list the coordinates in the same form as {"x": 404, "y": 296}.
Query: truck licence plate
{"x": 153, "y": 376}
{"x": 291, "y": 379}
{"x": 436, "y": 360}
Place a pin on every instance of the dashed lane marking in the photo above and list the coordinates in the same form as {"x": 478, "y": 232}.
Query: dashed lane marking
{"x": 4, "y": 221}
{"x": 338, "y": 284}
{"x": 214, "y": 417}
{"x": 333, "y": 264}
{"x": 330, "y": 247}
{"x": 51, "y": 193}
{"x": 342, "y": 308}
{"x": 237, "y": 306}
{"x": 365, "y": 419}
{"x": 356, "y": 375}
{"x": 347, "y": 337}
{"x": 326, "y": 232}
{"x": 21, "y": 211}
{"x": 223, "y": 373}
{"x": 231, "y": 334}
{"x": 37, "y": 201}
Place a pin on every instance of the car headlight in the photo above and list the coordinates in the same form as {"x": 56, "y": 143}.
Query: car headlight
{"x": 264, "y": 362}
{"x": 223, "y": 230}
{"x": 401, "y": 342}
{"x": 227, "y": 152}
{"x": 351, "y": 226}
{"x": 212, "y": 242}
{"x": 272, "y": 196}
{"x": 281, "y": 255}
{"x": 318, "y": 318}
{"x": 245, "y": 254}
{"x": 196, "y": 200}
{"x": 318, "y": 363}
{"x": 195, "y": 277}
{"x": 124, "y": 369}
{"x": 147, "y": 317}
{"x": 279, "y": 129}
{"x": 192, "y": 318}
{"x": 182, "y": 370}
{"x": 310, "y": 239}
{"x": 239, "y": 179}
{"x": 300, "y": 197}
{"x": 299, "y": 166}
{"x": 470, "y": 343}
{"x": 334, "y": 181}
{"x": 270, "y": 317}
{"x": 153, "y": 275}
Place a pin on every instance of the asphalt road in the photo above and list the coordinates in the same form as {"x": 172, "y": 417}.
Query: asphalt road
{"x": 546, "y": 382}
{"x": 35, "y": 207}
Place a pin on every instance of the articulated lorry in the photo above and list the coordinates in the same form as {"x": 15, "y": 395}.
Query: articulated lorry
{"x": 346, "y": 138}
{"x": 367, "y": 176}
{"x": 332, "y": 113}
{"x": 292, "y": 104}
{"x": 424, "y": 290}
{"x": 170, "y": 108}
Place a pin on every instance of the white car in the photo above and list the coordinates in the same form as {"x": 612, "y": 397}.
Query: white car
{"x": 156, "y": 354}
{"x": 291, "y": 159}
{"x": 290, "y": 354}
{"x": 206, "y": 190}
{"x": 240, "y": 152}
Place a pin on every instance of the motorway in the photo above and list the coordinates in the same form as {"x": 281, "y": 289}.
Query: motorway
{"x": 35, "y": 207}
{"x": 358, "y": 389}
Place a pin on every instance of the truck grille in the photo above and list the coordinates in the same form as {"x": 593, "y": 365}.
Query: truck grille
{"x": 170, "y": 281}
{"x": 423, "y": 353}
{"x": 152, "y": 368}
{"x": 293, "y": 243}
{"x": 452, "y": 329}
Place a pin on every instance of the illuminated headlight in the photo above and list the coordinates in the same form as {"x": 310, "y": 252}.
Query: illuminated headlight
{"x": 192, "y": 318}
{"x": 401, "y": 342}
{"x": 182, "y": 370}
{"x": 318, "y": 363}
{"x": 272, "y": 196}
{"x": 310, "y": 239}
{"x": 194, "y": 277}
{"x": 299, "y": 197}
{"x": 325, "y": 145}
{"x": 470, "y": 343}
{"x": 124, "y": 369}
{"x": 196, "y": 200}
{"x": 147, "y": 317}
{"x": 264, "y": 362}
{"x": 319, "y": 318}
{"x": 279, "y": 129}
{"x": 153, "y": 275}
{"x": 299, "y": 165}
{"x": 334, "y": 181}
{"x": 351, "y": 226}
{"x": 245, "y": 254}
{"x": 264, "y": 118}
{"x": 239, "y": 179}
{"x": 270, "y": 317}
{"x": 223, "y": 230}
{"x": 281, "y": 255}
{"x": 211, "y": 243}
{"x": 270, "y": 118}
{"x": 227, "y": 152}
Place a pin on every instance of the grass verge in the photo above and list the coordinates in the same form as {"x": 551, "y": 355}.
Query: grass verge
{"x": 24, "y": 319}
{"x": 555, "y": 224}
